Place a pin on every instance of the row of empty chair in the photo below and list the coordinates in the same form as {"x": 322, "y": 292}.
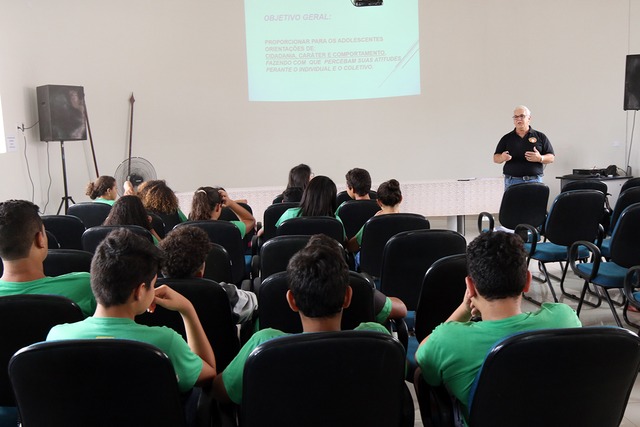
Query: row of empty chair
{"x": 574, "y": 230}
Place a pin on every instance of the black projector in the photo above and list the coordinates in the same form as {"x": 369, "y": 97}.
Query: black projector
{"x": 591, "y": 172}
{"x": 359, "y": 3}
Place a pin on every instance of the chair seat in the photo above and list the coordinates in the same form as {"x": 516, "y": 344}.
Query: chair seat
{"x": 610, "y": 274}
{"x": 550, "y": 252}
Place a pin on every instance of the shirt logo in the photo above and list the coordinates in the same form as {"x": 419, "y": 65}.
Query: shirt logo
{"x": 533, "y": 140}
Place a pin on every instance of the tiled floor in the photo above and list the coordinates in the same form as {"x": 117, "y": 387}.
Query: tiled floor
{"x": 589, "y": 317}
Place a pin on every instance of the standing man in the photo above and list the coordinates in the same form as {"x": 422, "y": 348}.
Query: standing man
{"x": 524, "y": 151}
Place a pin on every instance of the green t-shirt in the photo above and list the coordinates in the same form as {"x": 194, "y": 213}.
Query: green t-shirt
{"x": 288, "y": 214}
{"x": 455, "y": 351}
{"x": 105, "y": 201}
{"x": 233, "y": 375}
{"x": 241, "y": 226}
{"x": 383, "y": 314}
{"x": 75, "y": 286}
{"x": 187, "y": 364}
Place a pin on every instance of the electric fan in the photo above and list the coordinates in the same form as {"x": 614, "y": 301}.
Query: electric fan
{"x": 134, "y": 169}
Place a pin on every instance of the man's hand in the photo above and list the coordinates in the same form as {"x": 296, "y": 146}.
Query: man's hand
{"x": 501, "y": 157}
{"x": 533, "y": 156}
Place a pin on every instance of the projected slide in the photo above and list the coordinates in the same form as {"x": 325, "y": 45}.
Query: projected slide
{"x": 302, "y": 50}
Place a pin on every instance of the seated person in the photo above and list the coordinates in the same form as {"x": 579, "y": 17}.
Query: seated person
{"x": 159, "y": 199}
{"x": 128, "y": 210}
{"x": 299, "y": 177}
{"x": 454, "y": 352}
{"x": 358, "y": 184}
{"x": 186, "y": 249}
{"x": 389, "y": 199}
{"x": 208, "y": 202}
{"x": 319, "y": 289}
{"x": 318, "y": 199}
{"x": 23, "y": 248}
{"x": 123, "y": 276}
{"x": 103, "y": 190}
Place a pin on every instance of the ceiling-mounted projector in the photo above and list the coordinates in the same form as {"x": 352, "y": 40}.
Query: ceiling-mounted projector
{"x": 359, "y": 3}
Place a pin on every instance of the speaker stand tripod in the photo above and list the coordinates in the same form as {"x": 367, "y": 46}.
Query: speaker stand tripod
{"x": 66, "y": 198}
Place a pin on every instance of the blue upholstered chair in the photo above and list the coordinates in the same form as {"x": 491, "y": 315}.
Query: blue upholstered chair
{"x": 574, "y": 215}
{"x": 625, "y": 253}
{"x": 626, "y": 199}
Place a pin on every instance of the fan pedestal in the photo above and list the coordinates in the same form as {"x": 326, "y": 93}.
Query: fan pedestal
{"x": 66, "y": 198}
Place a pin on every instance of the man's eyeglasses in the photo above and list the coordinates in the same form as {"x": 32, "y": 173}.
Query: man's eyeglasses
{"x": 521, "y": 116}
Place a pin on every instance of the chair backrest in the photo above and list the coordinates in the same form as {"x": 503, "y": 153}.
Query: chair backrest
{"x": 227, "y": 235}
{"x": 524, "y": 204}
{"x": 574, "y": 215}
{"x": 625, "y": 240}
{"x": 90, "y": 213}
{"x": 228, "y": 215}
{"x": 170, "y": 220}
{"x": 68, "y": 230}
{"x": 343, "y": 196}
{"x": 408, "y": 255}
{"x": 348, "y": 378}
{"x": 377, "y": 232}
{"x": 103, "y": 382}
{"x": 63, "y": 261}
{"x": 157, "y": 224}
{"x": 276, "y": 253}
{"x": 355, "y": 213}
{"x": 585, "y": 184}
{"x": 565, "y": 391}
{"x": 25, "y": 320}
{"x": 92, "y": 237}
{"x": 274, "y": 311}
{"x": 630, "y": 183}
{"x": 218, "y": 264}
{"x": 626, "y": 198}
{"x": 310, "y": 225}
{"x": 212, "y": 305}
{"x": 443, "y": 288}
{"x": 271, "y": 215}
{"x": 52, "y": 241}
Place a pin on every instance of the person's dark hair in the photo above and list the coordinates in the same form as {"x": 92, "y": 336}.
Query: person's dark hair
{"x": 389, "y": 193}
{"x": 100, "y": 186}
{"x": 299, "y": 176}
{"x": 318, "y": 277}
{"x": 128, "y": 210}
{"x": 123, "y": 260}
{"x": 203, "y": 203}
{"x": 186, "y": 249}
{"x": 19, "y": 224}
{"x": 158, "y": 197}
{"x": 292, "y": 194}
{"x": 497, "y": 263}
{"x": 359, "y": 180}
{"x": 319, "y": 198}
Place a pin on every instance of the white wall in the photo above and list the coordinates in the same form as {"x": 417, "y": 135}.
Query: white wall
{"x": 185, "y": 63}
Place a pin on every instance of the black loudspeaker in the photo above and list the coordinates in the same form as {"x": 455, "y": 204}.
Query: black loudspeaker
{"x": 61, "y": 113}
{"x": 632, "y": 83}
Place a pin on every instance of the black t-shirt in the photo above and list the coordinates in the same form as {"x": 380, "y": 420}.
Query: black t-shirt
{"x": 516, "y": 146}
